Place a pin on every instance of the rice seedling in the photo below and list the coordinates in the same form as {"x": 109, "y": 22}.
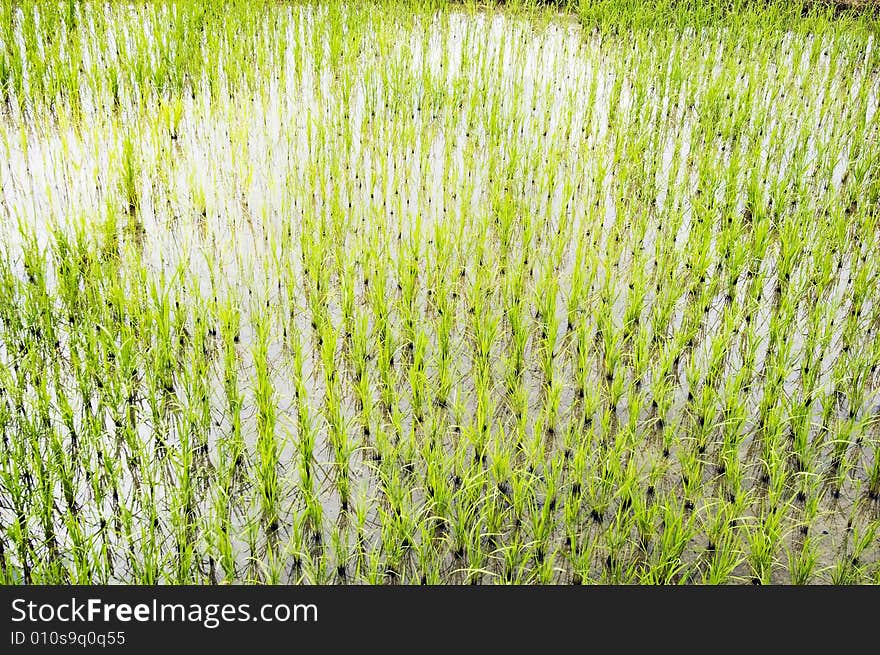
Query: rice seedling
{"x": 431, "y": 293}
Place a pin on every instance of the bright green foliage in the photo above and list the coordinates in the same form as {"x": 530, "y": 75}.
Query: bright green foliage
{"x": 439, "y": 293}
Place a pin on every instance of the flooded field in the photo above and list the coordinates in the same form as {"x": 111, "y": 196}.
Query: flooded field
{"x": 353, "y": 293}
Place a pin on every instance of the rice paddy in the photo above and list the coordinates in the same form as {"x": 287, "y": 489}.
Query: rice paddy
{"x": 429, "y": 293}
